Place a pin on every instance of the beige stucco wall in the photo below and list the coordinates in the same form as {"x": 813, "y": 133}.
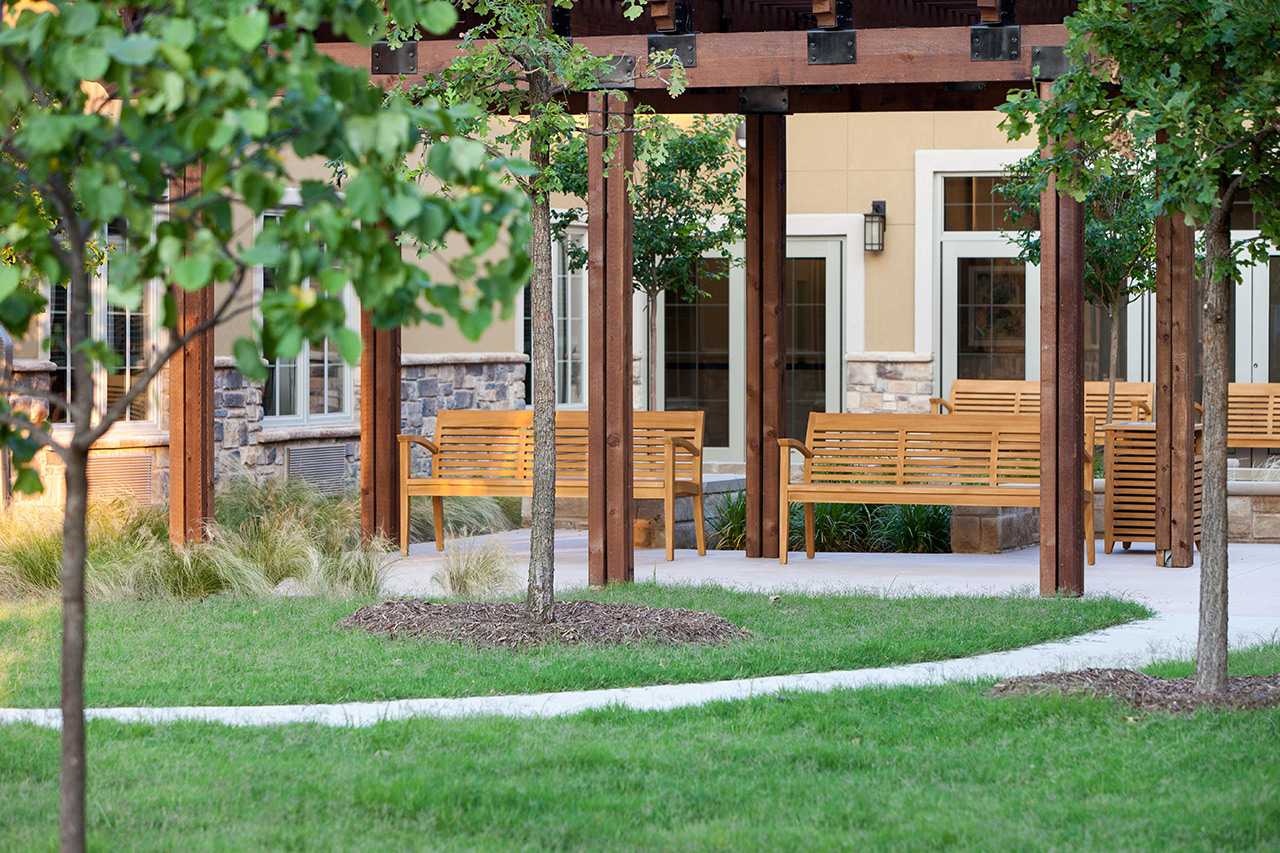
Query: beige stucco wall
{"x": 840, "y": 163}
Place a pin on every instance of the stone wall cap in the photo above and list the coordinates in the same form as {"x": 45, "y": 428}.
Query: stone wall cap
{"x": 429, "y": 358}
{"x": 889, "y": 356}
{"x": 1253, "y": 487}
{"x": 33, "y": 365}
{"x": 304, "y": 433}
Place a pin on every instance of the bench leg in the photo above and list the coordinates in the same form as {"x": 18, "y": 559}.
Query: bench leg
{"x": 404, "y": 521}
{"x": 784, "y": 525}
{"x": 437, "y": 516}
{"x": 699, "y": 525}
{"x": 808, "y": 530}
{"x": 669, "y": 526}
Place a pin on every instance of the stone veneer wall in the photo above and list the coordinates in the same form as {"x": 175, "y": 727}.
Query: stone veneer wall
{"x": 429, "y": 383}
{"x": 888, "y": 381}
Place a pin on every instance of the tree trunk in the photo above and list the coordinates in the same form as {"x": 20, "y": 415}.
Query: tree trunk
{"x": 73, "y": 559}
{"x": 1113, "y": 361}
{"x": 1211, "y": 650}
{"x": 653, "y": 351}
{"x": 541, "y": 596}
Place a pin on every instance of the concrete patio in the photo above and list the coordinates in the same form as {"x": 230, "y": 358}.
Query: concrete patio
{"x": 1254, "y": 573}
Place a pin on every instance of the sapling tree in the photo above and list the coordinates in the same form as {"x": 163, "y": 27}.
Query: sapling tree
{"x": 1119, "y": 231}
{"x": 520, "y": 73}
{"x": 1196, "y": 82}
{"x": 104, "y": 110}
{"x": 688, "y": 207}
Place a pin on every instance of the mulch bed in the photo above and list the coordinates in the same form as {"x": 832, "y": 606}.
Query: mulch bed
{"x": 1147, "y": 692}
{"x": 491, "y": 624}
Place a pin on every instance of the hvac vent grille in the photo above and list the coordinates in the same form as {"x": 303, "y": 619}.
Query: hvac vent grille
{"x": 324, "y": 467}
{"x": 113, "y": 477}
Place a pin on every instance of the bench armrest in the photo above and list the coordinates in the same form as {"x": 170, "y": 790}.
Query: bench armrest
{"x": 406, "y": 449}
{"x": 684, "y": 444}
{"x": 937, "y": 404}
{"x": 417, "y": 439}
{"x": 1139, "y": 408}
{"x": 792, "y": 444}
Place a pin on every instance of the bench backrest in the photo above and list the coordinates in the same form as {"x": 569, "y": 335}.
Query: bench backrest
{"x": 1127, "y": 393}
{"x": 1020, "y": 396}
{"x": 907, "y": 450}
{"x": 647, "y": 454}
{"x": 1253, "y": 414}
{"x": 995, "y": 396}
{"x": 478, "y": 443}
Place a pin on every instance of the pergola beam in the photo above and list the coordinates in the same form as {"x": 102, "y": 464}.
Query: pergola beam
{"x": 935, "y": 55}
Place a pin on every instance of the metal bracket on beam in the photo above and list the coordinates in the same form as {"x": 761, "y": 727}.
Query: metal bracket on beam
{"x": 832, "y": 47}
{"x": 1049, "y": 62}
{"x": 402, "y": 60}
{"x": 619, "y": 72}
{"x": 965, "y": 86}
{"x": 995, "y": 44}
{"x": 764, "y": 99}
{"x": 682, "y": 47}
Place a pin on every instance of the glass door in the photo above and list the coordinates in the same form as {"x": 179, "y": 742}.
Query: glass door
{"x": 990, "y": 313}
{"x": 814, "y": 370}
{"x": 1257, "y": 335}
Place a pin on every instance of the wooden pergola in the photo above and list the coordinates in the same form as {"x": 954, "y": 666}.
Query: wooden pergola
{"x": 766, "y": 59}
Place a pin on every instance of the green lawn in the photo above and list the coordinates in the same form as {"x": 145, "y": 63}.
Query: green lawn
{"x": 903, "y": 768}
{"x": 224, "y": 651}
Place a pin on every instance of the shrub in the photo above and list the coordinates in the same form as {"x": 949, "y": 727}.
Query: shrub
{"x": 463, "y": 515}
{"x": 844, "y": 527}
{"x": 476, "y": 570}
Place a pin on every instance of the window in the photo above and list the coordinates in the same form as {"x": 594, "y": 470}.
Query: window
{"x": 314, "y": 387}
{"x": 129, "y": 334}
{"x": 974, "y": 203}
{"x": 569, "y": 304}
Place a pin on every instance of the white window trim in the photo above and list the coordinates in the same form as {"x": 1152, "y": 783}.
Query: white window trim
{"x": 931, "y": 167}
{"x": 576, "y": 229}
{"x": 293, "y": 198}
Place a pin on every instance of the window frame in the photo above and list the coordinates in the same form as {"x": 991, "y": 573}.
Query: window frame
{"x": 156, "y": 338}
{"x": 302, "y": 361}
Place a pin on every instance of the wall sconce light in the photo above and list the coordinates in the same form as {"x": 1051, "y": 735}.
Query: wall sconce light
{"x": 741, "y": 136}
{"x": 873, "y": 228}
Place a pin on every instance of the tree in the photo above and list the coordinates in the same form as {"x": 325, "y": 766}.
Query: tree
{"x": 687, "y": 207}
{"x": 520, "y": 73}
{"x": 1119, "y": 232}
{"x": 1195, "y": 80}
{"x": 102, "y": 111}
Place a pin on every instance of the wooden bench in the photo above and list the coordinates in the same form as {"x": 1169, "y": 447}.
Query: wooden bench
{"x": 491, "y": 453}
{"x": 1253, "y": 414}
{"x": 1134, "y": 400}
{"x": 941, "y": 460}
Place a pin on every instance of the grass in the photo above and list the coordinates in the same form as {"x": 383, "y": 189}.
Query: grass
{"x": 886, "y": 769}
{"x": 225, "y": 651}
{"x": 267, "y": 530}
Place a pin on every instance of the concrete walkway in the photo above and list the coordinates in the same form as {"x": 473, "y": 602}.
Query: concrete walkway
{"x": 1254, "y": 617}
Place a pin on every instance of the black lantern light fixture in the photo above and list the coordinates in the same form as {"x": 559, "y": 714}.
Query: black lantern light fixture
{"x": 873, "y": 228}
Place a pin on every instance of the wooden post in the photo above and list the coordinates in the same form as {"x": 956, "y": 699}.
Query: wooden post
{"x": 1061, "y": 393}
{"x": 766, "y": 252}
{"x": 610, "y": 508}
{"x": 1174, "y": 371}
{"x": 191, "y": 406}
{"x": 380, "y": 421}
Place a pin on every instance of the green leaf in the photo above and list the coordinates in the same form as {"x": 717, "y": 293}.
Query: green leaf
{"x": 9, "y": 278}
{"x": 248, "y": 31}
{"x": 403, "y": 209}
{"x": 349, "y": 345}
{"x": 79, "y": 18}
{"x": 439, "y": 17}
{"x": 28, "y": 482}
{"x": 133, "y": 49}
{"x": 92, "y": 61}
{"x": 193, "y": 272}
{"x": 249, "y": 360}
{"x": 364, "y": 197}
